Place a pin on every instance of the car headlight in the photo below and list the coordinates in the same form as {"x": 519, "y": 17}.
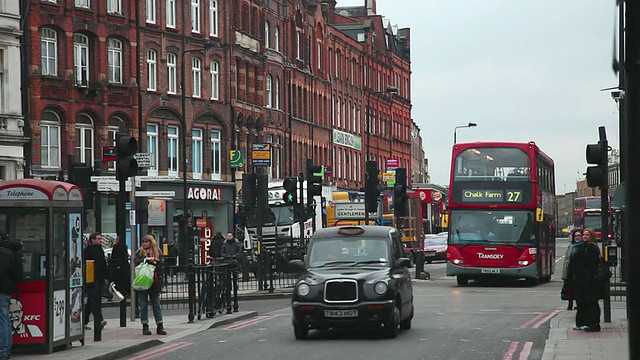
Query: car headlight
{"x": 303, "y": 289}
{"x": 380, "y": 288}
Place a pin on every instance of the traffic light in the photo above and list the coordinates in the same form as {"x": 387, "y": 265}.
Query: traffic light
{"x": 290, "y": 196}
{"x": 315, "y": 174}
{"x": 400, "y": 193}
{"x": 597, "y": 155}
{"x": 126, "y": 164}
{"x": 249, "y": 197}
{"x": 371, "y": 190}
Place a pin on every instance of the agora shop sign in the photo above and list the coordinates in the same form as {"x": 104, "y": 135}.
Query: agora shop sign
{"x": 201, "y": 193}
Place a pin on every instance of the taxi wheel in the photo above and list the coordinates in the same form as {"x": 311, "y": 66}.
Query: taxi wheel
{"x": 406, "y": 323}
{"x": 390, "y": 329}
{"x": 301, "y": 331}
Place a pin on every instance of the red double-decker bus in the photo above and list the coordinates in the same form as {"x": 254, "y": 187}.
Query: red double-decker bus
{"x": 586, "y": 214}
{"x": 580, "y": 204}
{"x": 501, "y": 212}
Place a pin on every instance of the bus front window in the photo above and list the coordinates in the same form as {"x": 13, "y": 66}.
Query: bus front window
{"x": 507, "y": 226}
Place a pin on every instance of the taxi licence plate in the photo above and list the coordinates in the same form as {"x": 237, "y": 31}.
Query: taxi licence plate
{"x": 490, "y": 271}
{"x": 430, "y": 254}
{"x": 341, "y": 313}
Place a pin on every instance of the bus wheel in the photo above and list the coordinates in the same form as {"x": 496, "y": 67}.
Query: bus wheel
{"x": 462, "y": 280}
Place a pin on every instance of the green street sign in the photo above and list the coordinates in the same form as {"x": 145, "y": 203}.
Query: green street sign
{"x": 237, "y": 158}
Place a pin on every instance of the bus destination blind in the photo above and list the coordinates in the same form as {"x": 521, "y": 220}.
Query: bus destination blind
{"x": 491, "y": 196}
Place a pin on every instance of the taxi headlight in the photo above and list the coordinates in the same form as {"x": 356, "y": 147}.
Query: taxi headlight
{"x": 380, "y": 288}
{"x": 303, "y": 289}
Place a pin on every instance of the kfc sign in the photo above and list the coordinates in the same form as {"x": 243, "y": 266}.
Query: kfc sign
{"x": 200, "y": 193}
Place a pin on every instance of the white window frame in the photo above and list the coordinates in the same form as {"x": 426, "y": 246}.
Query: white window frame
{"x": 49, "y": 45}
{"x": 47, "y": 161}
{"x": 276, "y": 38}
{"x": 152, "y": 70}
{"x": 173, "y": 142}
{"x": 195, "y": 16}
{"x": 319, "y": 55}
{"x": 213, "y": 18}
{"x": 268, "y": 93}
{"x": 81, "y": 149}
{"x": 214, "y": 69}
{"x": 152, "y": 147}
{"x": 298, "y": 45}
{"x": 267, "y": 35}
{"x": 171, "y": 14}
{"x": 172, "y": 73}
{"x": 81, "y": 59}
{"x": 196, "y": 150}
{"x": 196, "y": 69}
{"x": 111, "y": 135}
{"x": 276, "y": 94}
{"x": 114, "y": 7}
{"x": 83, "y": 3}
{"x": 151, "y": 11}
{"x": 216, "y": 155}
{"x": 114, "y": 48}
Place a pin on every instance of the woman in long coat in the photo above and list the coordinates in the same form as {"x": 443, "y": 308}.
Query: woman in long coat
{"x": 587, "y": 291}
{"x": 567, "y": 289}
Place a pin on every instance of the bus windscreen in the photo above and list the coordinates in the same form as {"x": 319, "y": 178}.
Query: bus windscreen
{"x": 506, "y": 227}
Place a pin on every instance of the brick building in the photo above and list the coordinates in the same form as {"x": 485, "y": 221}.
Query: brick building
{"x": 311, "y": 79}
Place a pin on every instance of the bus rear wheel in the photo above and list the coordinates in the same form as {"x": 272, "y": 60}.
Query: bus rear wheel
{"x": 462, "y": 280}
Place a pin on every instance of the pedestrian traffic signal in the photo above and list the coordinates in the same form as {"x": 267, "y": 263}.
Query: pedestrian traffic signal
{"x": 315, "y": 175}
{"x": 290, "y": 197}
{"x": 371, "y": 189}
{"x": 597, "y": 155}
{"x": 400, "y": 197}
{"x": 126, "y": 164}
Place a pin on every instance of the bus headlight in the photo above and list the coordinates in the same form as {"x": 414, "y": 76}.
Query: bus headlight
{"x": 523, "y": 262}
{"x": 380, "y": 288}
{"x": 303, "y": 289}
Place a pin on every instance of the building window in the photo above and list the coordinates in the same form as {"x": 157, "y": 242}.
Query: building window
{"x": 115, "y": 61}
{"x": 152, "y": 59}
{"x": 172, "y": 147}
{"x": 114, "y": 7}
{"x": 83, "y": 3}
{"x": 276, "y": 94}
{"x": 84, "y": 139}
{"x": 213, "y": 17}
{"x": 196, "y": 148}
{"x": 172, "y": 74}
{"x": 298, "y": 46}
{"x": 215, "y": 80}
{"x": 195, "y": 16}
{"x": 152, "y": 146}
{"x": 81, "y": 59}
{"x": 112, "y": 131}
{"x": 268, "y": 92}
{"x": 50, "y": 140}
{"x": 276, "y": 39}
{"x": 267, "y": 35}
{"x": 171, "y": 13}
{"x": 196, "y": 68}
{"x": 216, "y": 159}
{"x": 319, "y": 55}
{"x": 151, "y": 11}
{"x": 49, "y": 47}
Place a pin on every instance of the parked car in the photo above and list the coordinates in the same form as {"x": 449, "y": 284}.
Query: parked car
{"x": 353, "y": 276}
{"x": 435, "y": 247}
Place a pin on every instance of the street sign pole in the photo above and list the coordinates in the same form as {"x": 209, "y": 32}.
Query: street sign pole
{"x": 134, "y": 248}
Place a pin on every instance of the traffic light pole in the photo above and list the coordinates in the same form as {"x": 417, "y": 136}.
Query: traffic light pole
{"x": 604, "y": 199}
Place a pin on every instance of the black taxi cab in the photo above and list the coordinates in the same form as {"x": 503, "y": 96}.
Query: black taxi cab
{"x": 353, "y": 276}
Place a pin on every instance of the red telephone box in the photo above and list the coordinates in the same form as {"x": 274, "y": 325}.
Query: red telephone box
{"x": 47, "y": 217}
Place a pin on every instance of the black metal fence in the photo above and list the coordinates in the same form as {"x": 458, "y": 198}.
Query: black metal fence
{"x": 617, "y": 287}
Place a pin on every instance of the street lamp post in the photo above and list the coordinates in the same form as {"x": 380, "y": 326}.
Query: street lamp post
{"x": 469, "y": 125}
{"x": 390, "y": 90}
{"x": 183, "y": 229}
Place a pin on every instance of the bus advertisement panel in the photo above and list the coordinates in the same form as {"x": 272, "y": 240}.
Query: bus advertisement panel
{"x": 501, "y": 212}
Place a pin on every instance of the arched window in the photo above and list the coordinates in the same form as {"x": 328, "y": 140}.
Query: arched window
{"x": 215, "y": 80}
{"x": 50, "y": 140}
{"x": 213, "y": 18}
{"x": 267, "y": 35}
{"x": 152, "y": 70}
{"x": 81, "y": 59}
{"x": 112, "y": 130}
{"x": 276, "y": 39}
{"x": 84, "y": 139}
{"x": 172, "y": 74}
{"x": 276, "y": 95}
{"x": 49, "y": 55}
{"x": 268, "y": 92}
{"x": 196, "y": 69}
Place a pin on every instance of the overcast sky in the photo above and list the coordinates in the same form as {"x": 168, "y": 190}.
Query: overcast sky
{"x": 522, "y": 70}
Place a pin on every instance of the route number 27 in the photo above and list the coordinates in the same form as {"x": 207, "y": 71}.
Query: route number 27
{"x": 513, "y": 196}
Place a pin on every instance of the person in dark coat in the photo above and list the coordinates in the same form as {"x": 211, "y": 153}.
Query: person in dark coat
{"x": 172, "y": 258}
{"x": 93, "y": 290}
{"x": 121, "y": 268}
{"x": 231, "y": 247}
{"x": 567, "y": 289}
{"x": 216, "y": 245}
{"x": 11, "y": 273}
{"x": 582, "y": 268}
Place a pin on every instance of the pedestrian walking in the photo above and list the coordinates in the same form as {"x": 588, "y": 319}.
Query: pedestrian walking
{"x": 11, "y": 274}
{"x": 120, "y": 257}
{"x": 567, "y": 289}
{"x": 216, "y": 245}
{"x": 93, "y": 290}
{"x": 587, "y": 291}
{"x": 150, "y": 253}
{"x": 172, "y": 258}
{"x": 231, "y": 247}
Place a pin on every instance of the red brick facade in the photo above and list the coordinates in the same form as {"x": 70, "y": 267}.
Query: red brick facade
{"x": 292, "y": 73}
